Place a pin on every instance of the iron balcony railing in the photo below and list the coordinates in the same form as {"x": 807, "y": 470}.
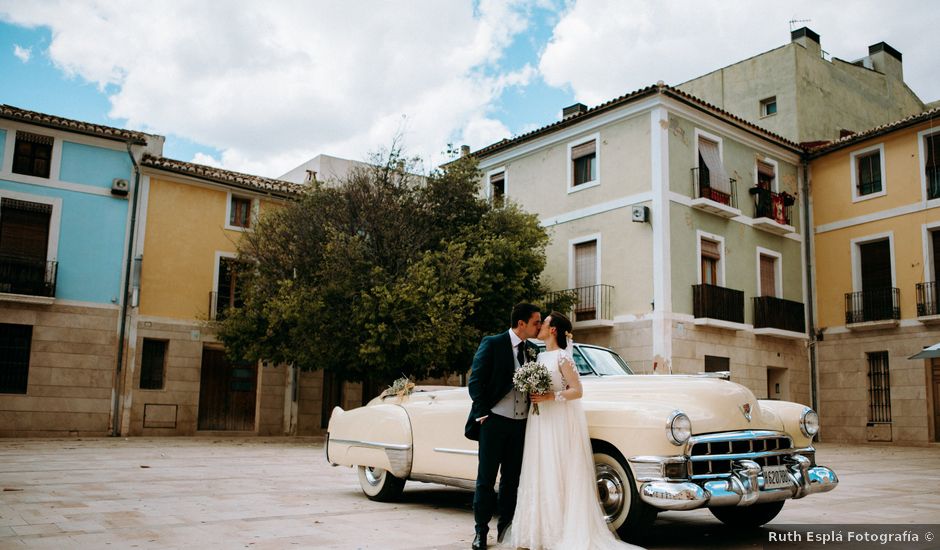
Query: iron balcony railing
{"x": 591, "y": 303}
{"x": 702, "y": 189}
{"x": 933, "y": 182}
{"x": 881, "y": 304}
{"x": 772, "y": 312}
{"x": 29, "y": 277}
{"x": 769, "y": 204}
{"x": 716, "y": 302}
{"x": 219, "y": 305}
{"x": 928, "y": 301}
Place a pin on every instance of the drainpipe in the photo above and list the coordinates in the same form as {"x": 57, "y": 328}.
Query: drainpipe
{"x": 810, "y": 284}
{"x": 118, "y": 383}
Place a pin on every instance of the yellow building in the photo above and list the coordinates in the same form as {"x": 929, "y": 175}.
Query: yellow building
{"x": 177, "y": 380}
{"x": 876, "y": 218}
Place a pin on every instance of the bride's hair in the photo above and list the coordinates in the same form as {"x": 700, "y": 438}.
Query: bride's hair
{"x": 563, "y": 327}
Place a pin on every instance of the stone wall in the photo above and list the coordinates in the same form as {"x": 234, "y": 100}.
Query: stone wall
{"x": 71, "y": 368}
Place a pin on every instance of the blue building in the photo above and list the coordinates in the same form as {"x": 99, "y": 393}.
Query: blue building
{"x": 66, "y": 194}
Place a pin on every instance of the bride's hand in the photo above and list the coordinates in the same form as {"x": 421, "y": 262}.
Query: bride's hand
{"x": 539, "y": 397}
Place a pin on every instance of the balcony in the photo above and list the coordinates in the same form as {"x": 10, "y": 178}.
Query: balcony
{"x": 772, "y": 211}
{"x": 219, "y": 304}
{"x": 873, "y": 309}
{"x": 717, "y": 306}
{"x": 928, "y": 302}
{"x": 26, "y": 280}
{"x": 710, "y": 200}
{"x": 591, "y": 305}
{"x": 779, "y": 317}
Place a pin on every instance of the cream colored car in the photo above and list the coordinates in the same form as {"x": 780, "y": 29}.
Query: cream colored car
{"x": 664, "y": 442}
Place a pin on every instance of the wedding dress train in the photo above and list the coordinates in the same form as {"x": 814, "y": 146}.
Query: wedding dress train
{"x": 558, "y": 505}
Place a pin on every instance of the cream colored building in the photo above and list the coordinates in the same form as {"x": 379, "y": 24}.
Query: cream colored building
{"x": 876, "y": 219}
{"x": 798, "y": 91}
{"x": 648, "y": 200}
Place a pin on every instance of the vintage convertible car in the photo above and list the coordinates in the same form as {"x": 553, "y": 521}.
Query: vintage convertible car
{"x": 661, "y": 442}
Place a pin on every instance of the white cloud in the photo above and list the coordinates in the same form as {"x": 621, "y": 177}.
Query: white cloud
{"x": 23, "y": 54}
{"x": 602, "y": 49}
{"x": 272, "y": 84}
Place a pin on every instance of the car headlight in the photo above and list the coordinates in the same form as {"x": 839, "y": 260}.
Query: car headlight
{"x": 809, "y": 422}
{"x": 678, "y": 428}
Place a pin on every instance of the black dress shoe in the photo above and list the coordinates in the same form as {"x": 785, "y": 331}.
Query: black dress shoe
{"x": 479, "y": 542}
{"x": 501, "y": 532}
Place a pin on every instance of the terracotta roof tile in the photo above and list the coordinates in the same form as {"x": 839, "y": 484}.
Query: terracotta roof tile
{"x": 71, "y": 125}
{"x": 227, "y": 177}
{"x": 627, "y": 98}
{"x": 873, "y": 132}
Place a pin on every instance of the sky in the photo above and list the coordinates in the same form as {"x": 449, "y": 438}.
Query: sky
{"x": 261, "y": 87}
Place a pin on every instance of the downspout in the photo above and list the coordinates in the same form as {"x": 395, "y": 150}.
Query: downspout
{"x": 810, "y": 286}
{"x": 119, "y": 386}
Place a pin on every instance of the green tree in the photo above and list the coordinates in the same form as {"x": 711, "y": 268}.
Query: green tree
{"x": 385, "y": 274}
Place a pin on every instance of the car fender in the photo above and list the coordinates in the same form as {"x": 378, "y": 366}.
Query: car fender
{"x": 377, "y": 435}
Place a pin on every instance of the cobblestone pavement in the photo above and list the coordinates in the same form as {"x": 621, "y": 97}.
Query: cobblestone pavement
{"x": 209, "y": 492}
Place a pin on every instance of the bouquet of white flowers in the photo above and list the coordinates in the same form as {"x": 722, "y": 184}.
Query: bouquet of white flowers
{"x": 532, "y": 378}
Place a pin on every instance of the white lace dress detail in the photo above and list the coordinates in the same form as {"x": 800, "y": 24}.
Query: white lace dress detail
{"x": 558, "y": 505}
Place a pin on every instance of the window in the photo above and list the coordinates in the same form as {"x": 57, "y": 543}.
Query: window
{"x": 711, "y": 255}
{"x": 868, "y": 173}
{"x": 15, "y": 341}
{"x": 240, "y": 212}
{"x": 32, "y": 154}
{"x": 152, "y": 364}
{"x": 932, "y": 165}
{"x": 713, "y": 181}
{"x": 717, "y": 364}
{"x": 498, "y": 189}
{"x": 24, "y": 244}
{"x": 585, "y": 279}
{"x": 879, "y": 388}
{"x": 875, "y": 298}
{"x": 228, "y": 289}
{"x": 766, "y": 174}
{"x": 768, "y": 106}
{"x": 584, "y": 163}
{"x": 768, "y": 275}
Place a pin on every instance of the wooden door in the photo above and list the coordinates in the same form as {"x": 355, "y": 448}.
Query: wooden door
{"x": 768, "y": 275}
{"x": 227, "y": 393}
{"x": 876, "y": 280}
{"x": 936, "y": 399}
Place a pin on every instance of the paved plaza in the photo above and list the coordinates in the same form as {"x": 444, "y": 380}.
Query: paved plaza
{"x": 209, "y": 492}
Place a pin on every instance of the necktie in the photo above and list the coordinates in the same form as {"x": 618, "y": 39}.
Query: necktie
{"x": 520, "y": 353}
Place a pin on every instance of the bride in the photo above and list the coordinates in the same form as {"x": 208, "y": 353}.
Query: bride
{"x": 558, "y": 506}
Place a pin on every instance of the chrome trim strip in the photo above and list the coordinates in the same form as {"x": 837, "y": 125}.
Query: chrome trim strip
{"x": 456, "y": 451}
{"x": 737, "y": 436}
{"x": 445, "y": 480}
{"x": 373, "y": 444}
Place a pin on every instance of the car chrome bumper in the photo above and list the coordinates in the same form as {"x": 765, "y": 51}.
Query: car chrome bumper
{"x": 744, "y": 487}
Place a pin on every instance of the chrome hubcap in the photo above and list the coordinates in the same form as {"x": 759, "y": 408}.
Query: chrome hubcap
{"x": 374, "y": 475}
{"x": 610, "y": 490}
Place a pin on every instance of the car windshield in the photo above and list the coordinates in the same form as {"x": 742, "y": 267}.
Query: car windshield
{"x": 604, "y": 362}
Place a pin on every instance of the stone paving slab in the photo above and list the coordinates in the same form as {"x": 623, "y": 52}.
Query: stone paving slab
{"x": 273, "y": 493}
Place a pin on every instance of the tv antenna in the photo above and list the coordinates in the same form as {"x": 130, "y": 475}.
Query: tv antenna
{"x": 795, "y": 21}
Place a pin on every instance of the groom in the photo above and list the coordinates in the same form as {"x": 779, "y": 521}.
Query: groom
{"x": 497, "y": 419}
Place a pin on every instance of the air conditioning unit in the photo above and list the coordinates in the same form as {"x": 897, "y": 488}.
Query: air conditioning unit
{"x": 120, "y": 187}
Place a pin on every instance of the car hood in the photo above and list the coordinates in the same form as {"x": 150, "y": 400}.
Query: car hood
{"x": 713, "y": 405}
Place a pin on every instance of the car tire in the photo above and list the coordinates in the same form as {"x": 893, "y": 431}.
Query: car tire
{"x": 754, "y": 515}
{"x": 380, "y": 485}
{"x": 626, "y": 514}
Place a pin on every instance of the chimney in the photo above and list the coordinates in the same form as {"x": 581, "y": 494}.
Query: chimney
{"x": 886, "y": 60}
{"x": 805, "y": 37}
{"x": 464, "y": 150}
{"x": 573, "y": 110}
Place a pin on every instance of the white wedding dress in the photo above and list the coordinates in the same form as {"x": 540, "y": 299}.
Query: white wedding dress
{"x": 558, "y": 505}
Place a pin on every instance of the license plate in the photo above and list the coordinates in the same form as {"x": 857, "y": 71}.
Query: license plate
{"x": 776, "y": 477}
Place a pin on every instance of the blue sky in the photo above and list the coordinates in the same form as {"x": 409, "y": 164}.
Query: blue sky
{"x": 262, "y": 87}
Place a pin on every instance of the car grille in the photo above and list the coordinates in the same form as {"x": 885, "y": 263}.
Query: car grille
{"x": 715, "y": 455}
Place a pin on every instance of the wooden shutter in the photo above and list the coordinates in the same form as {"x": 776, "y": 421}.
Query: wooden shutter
{"x": 768, "y": 275}
{"x": 583, "y": 150}
{"x": 24, "y": 229}
{"x": 876, "y": 265}
{"x": 711, "y": 249}
{"x": 585, "y": 264}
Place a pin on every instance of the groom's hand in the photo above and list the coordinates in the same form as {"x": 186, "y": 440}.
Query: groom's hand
{"x": 482, "y": 419}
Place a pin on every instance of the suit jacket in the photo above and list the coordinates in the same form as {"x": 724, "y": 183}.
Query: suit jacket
{"x": 490, "y": 378}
